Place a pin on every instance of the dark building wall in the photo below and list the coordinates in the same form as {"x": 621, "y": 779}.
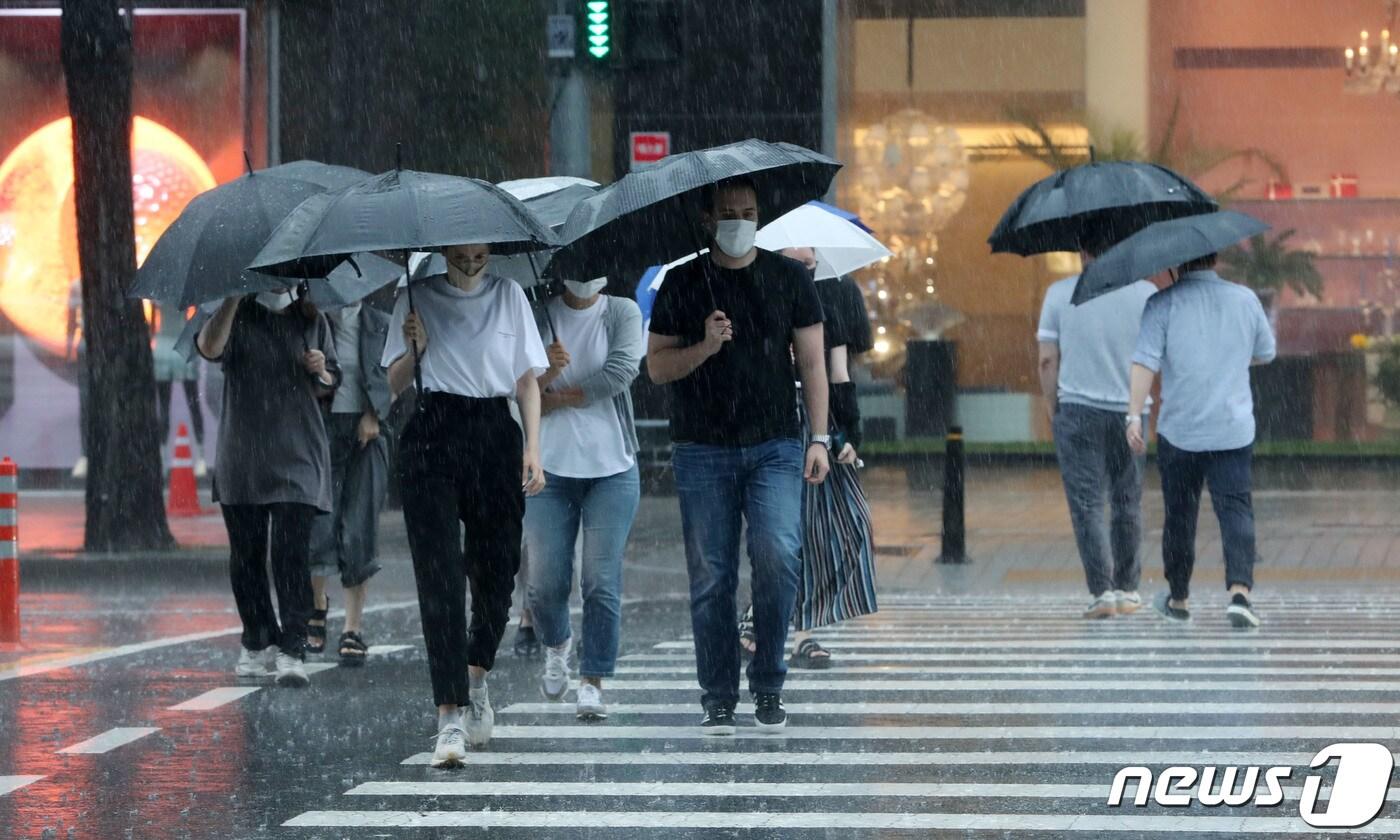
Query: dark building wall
{"x": 717, "y": 71}
{"x": 460, "y": 83}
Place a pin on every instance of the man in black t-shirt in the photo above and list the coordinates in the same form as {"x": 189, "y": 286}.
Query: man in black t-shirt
{"x": 725, "y": 331}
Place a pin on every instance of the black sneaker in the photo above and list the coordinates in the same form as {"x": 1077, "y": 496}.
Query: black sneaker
{"x": 1163, "y": 605}
{"x": 527, "y": 644}
{"x": 718, "y": 720}
{"x": 768, "y": 712}
{"x": 1241, "y": 612}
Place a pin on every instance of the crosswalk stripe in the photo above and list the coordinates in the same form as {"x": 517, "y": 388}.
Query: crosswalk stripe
{"x": 1126, "y": 708}
{"x": 318, "y": 667}
{"x": 745, "y": 758}
{"x": 1032, "y": 685}
{"x": 382, "y": 650}
{"x": 1252, "y": 640}
{"x": 1049, "y": 670}
{"x": 10, "y": 784}
{"x": 109, "y": 740}
{"x": 213, "y": 699}
{"x": 1052, "y": 656}
{"x": 1326, "y": 734}
{"x": 821, "y": 820}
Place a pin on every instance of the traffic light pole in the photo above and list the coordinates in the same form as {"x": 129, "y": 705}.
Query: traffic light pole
{"x": 570, "y": 120}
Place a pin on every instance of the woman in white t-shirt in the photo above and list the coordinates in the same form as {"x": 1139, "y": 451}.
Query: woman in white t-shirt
{"x": 462, "y": 462}
{"x": 590, "y": 460}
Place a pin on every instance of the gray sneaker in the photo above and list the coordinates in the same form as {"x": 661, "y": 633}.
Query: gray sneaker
{"x": 480, "y": 718}
{"x": 256, "y": 664}
{"x": 1128, "y": 602}
{"x": 555, "y": 682}
{"x": 590, "y": 703}
{"x": 450, "y": 750}
{"x": 1104, "y": 606}
{"x": 291, "y": 673}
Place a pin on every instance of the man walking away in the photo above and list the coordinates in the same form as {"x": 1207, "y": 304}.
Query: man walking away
{"x": 724, "y": 332}
{"x": 1201, "y": 334}
{"x": 1085, "y": 353}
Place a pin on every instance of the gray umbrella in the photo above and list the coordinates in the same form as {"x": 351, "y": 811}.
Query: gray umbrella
{"x": 651, "y": 217}
{"x": 399, "y": 210}
{"x": 1163, "y": 246}
{"x": 345, "y": 285}
{"x": 1110, "y": 201}
{"x": 201, "y": 256}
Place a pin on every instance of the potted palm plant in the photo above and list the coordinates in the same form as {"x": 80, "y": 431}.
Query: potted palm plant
{"x": 1268, "y": 266}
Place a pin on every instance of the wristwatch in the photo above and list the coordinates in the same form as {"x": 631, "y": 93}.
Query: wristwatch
{"x": 824, "y": 440}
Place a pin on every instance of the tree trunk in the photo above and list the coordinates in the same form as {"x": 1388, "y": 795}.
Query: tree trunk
{"x": 125, "y": 507}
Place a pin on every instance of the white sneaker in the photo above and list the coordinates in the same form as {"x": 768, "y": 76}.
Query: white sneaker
{"x": 80, "y": 467}
{"x": 451, "y": 750}
{"x": 291, "y": 672}
{"x": 256, "y": 664}
{"x": 480, "y": 718}
{"x": 555, "y": 682}
{"x": 201, "y": 469}
{"x": 590, "y": 703}
{"x": 1128, "y": 602}
{"x": 1104, "y": 606}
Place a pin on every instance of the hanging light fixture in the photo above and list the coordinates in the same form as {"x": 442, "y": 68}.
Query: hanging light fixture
{"x": 1375, "y": 67}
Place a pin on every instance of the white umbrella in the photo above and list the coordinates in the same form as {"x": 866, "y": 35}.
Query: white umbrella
{"x": 841, "y": 246}
{"x": 651, "y": 284}
{"x": 528, "y": 188}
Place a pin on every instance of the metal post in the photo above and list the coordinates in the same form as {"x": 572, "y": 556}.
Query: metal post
{"x": 9, "y": 553}
{"x": 571, "y": 126}
{"x": 274, "y": 83}
{"x": 954, "y": 473}
{"x": 829, "y": 78}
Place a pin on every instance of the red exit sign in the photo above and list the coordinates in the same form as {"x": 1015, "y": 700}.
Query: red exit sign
{"x": 650, "y": 146}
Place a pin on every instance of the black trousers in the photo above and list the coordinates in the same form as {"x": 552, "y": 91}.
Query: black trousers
{"x": 163, "y": 394}
{"x": 459, "y": 466}
{"x": 1184, "y": 475}
{"x": 286, "y": 529}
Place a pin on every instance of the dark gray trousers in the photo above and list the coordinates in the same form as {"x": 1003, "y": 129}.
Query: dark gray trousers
{"x": 1095, "y": 459}
{"x": 344, "y": 542}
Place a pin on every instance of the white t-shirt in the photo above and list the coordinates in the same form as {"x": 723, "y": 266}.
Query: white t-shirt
{"x": 584, "y": 441}
{"x": 479, "y": 342}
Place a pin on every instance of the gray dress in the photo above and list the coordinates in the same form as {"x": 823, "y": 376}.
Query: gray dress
{"x": 272, "y": 440}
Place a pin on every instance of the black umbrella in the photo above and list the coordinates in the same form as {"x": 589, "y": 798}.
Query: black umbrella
{"x": 1104, "y": 201}
{"x": 201, "y": 256}
{"x": 651, "y": 217}
{"x": 1162, "y": 246}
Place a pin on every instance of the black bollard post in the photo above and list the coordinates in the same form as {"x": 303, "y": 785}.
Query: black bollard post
{"x": 954, "y": 472}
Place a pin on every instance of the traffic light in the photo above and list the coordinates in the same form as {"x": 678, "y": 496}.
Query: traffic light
{"x": 598, "y": 28}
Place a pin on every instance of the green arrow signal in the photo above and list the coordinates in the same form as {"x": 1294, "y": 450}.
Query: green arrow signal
{"x": 598, "y": 52}
{"x": 598, "y": 29}
{"x": 598, "y": 17}
{"x": 597, "y": 5}
{"x": 598, "y": 40}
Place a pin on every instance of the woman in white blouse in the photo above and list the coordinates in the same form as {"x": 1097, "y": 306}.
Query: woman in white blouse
{"x": 463, "y": 462}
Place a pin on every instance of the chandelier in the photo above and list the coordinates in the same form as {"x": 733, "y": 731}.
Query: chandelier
{"x": 911, "y": 176}
{"x": 1375, "y": 68}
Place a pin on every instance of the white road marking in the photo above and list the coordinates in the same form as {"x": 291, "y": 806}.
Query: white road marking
{"x": 1178, "y": 685}
{"x": 1049, "y": 670}
{"x": 109, "y": 740}
{"x": 1106, "y": 659}
{"x": 1323, "y": 734}
{"x": 745, "y": 758}
{"x": 213, "y": 699}
{"x": 383, "y": 650}
{"x": 1166, "y": 640}
{"x": 1127, "y": 708}
{"x": 10, "y": 784}
{"x": 1129, "y": 823}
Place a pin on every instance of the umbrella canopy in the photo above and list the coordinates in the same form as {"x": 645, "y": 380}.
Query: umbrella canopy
{"x": 650, "y": 284}
{"x": 840, "y": 246}
{"x": 201, "y": 256}
{"x": 340, "y": 288}
{"x": 651, "y": 217}
{"x": 1163, "y": 246}
{"x": 843, "y": 213}
{"x": 1103, "y": 200}
{"x": 399, "y": 210}
{"x": 551, "y": 200}
{"x": 528, "y": 188}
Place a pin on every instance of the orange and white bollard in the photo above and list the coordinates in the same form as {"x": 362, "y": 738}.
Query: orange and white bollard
{"x": 9, "y": 553}
{"x": 184, "y": 491}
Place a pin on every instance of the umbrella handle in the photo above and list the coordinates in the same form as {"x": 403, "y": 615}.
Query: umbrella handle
{"x": 413, "y": 346}
{"x": 709, "y": 289}
{"x": 530, "y": 255}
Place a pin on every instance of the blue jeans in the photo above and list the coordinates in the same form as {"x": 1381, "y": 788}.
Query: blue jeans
{"x": 718, "y": 485}
{"x": 1184, "y": 475}
{"x": 605, "y": 507}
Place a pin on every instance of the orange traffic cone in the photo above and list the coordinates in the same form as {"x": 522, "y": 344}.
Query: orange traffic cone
{"x": 184, "y": 493}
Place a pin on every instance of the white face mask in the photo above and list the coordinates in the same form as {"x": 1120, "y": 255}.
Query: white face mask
{"x": 274, "y": 301}
{"x": 587, "y": 290}
{"x": 735, "y": 236}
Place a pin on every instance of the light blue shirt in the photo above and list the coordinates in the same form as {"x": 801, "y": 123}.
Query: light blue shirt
{"x": 1095, "y": 340}
{"x": 1201, "y": 334}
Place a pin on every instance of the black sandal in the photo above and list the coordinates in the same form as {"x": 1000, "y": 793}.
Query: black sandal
{"x": 353, "y": 649}
{"x": 316, "y": 633}
{"x": 746, "y": 635}
{"x": 811, "y": 656}
{"x": 527, "y": 643}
